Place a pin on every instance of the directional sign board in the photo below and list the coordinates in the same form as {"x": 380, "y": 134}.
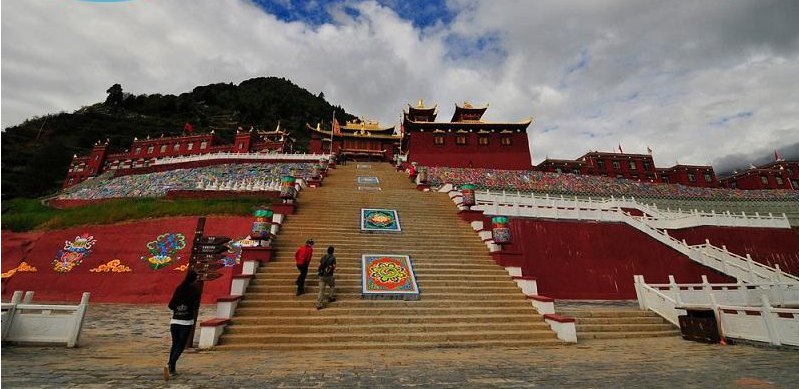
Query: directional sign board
{"x": 213, "y": 240}
{"x": 207, "y": 267}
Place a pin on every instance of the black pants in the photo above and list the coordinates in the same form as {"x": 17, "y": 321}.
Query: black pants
{"x": 301, "y": 279}
{"x": 180, "y": 336}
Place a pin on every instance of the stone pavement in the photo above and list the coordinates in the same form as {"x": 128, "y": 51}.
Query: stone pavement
{"x": 126, "y": 346}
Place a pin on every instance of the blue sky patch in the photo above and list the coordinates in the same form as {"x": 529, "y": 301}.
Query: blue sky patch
{"x": 316, "y": 12}
{"x": 724, "y": 120}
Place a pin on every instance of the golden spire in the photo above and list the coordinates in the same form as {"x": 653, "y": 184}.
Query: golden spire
{"x": 421, "y": 103}
{"x": 467, "y": 104}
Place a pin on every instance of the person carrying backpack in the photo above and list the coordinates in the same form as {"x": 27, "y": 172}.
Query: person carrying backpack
{"x": 327, "y": 266}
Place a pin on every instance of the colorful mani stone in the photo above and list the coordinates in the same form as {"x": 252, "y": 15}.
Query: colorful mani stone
{"x": 388, "y": 276}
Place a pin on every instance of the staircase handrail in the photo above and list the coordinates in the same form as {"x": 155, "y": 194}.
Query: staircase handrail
{"x": 684, "y": 219}
{"x": 764, "y": 271}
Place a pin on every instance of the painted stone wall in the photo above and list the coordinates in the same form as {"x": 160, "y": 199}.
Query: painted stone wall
{"x": 140, "y": 262}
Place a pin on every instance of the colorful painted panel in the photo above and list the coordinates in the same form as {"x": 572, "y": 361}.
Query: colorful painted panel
{"x": 388, "y": 276}
{"x": 380, "y": 220}
{"x": 368, "y": 180}
{"x": 164, "y": 250}
{"x": 73, "y": 253}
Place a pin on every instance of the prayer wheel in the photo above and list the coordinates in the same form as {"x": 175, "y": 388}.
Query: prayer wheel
{"x": 500, "y": 229}
{"x": 467, "y": 191}
{"x": 261, "y": 227}
{"x": 287, "y": 190}
{"x": 323, "y": 162}
{"x": 422, "y": 175}
{"x": 317, "y": 170}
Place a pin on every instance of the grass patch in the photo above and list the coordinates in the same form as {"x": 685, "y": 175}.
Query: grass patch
{"x": 29, "y": 214}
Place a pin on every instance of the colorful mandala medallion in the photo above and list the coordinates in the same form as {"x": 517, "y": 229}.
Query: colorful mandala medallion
{"x": 380, "y": 220}
{"x": 388, "y": 273}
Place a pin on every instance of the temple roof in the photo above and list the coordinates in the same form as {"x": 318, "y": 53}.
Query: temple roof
{"x": 467, "y": 112}
{"x": 363, "y": 125}
{"x": 360, "y": 134}
{"x": 466, "y": 125}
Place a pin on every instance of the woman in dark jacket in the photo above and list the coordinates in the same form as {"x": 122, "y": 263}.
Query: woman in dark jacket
{"x": 184, "y": 304}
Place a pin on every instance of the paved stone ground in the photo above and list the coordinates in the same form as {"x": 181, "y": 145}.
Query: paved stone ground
{"x": 126, "y": 346}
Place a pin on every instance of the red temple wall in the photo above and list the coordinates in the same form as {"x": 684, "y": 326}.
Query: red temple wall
{"x": 584, "y": 260}
{"x": 126, "y": 242}
{"x": 516, "y": 156}
{"x": 768, "y": 246}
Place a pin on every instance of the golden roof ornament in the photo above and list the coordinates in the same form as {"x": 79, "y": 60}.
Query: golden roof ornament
{"x": 421, "y": 103}
{"x": 467, "y": 104}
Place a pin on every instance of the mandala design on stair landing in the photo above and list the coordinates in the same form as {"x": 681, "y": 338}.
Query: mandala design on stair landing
{"x": 380, "y": 220}
{"x": 388, "y": 276}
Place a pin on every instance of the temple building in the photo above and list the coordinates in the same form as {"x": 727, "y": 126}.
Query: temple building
{"x": 779, "y": 174}
{"x": 143, "y": 152}
{"x": 359, "y": 139}
{"x": 639, "y": 167}
{"x": 466, "y": 140}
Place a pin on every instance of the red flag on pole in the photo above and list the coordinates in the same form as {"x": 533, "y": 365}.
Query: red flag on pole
{"x": 188, "y": 128}
{"x": 336, "y": 127}
{"x": 620, "y": 150}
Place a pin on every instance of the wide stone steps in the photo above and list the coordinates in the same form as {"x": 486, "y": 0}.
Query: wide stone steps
{"x": 388, "y": 328}
{"x": 400, "y": 320}
{"x": 322, "y": 339}
{"x": 625, "y": 334}
{"x": 627, "y": 327}
{"x": 466, "y": 300}
{"x": 386, "y": 304}
{"x": 619, "y": 323}
{"x": 333, "y": 310}
{"x": 384, "y": 345}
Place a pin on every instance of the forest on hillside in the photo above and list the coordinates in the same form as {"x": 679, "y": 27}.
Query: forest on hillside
{"x": 37, "y": 153}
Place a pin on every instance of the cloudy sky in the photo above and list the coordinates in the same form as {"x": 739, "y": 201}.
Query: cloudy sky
{"x": 700, "y": 82}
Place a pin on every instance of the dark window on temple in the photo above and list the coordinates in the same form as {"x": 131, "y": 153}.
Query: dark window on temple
{"x": 632, "y": 165}
{"x": 616, "y": 165}
{"x": 505, "y": 141}
{"x": 734, "y": 185}
{"x": 71, "y": 179}
{"x": 691, "y": 177}
{"x": 138, "y": 151}
{"x": 241, "y": 146}
{"x": 647, "y": 166}
{"x": 708, "y": 178}
{"x": 576, "y": 171}
{"x": 601, "y": 165}
{"x": 203, "y": 145}
{"x": 460, "y": 140}
{"x": 150, "y": 149}
{"x": 665, "y": 179}
{"x": 482, "y": 140}
{"x": 779, "y": 180}
{"x": 764, "y": 179}
{"x": 438, "y": 140}
{"x": 163, "y": 148}
{"x": 176, "y": 147}
{"x": 190, "y": 146}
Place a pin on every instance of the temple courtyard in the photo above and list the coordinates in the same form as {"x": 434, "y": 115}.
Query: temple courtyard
{"x": 127, "y": 345}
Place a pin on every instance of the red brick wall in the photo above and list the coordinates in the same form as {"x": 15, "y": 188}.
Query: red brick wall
{"x": 494, "y": 155}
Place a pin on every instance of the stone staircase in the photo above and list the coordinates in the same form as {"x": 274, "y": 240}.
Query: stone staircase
{"x": 466, "y": 300}
{"x": 615, "y": 320}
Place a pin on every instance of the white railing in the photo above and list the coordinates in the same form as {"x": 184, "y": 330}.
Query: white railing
{"x": 718, "y": 258}
{"x": 658, "y": 218}
{"x": 246, "y": 156}
{"x": 25, "y": 322}
{"x": 742, "y": 311}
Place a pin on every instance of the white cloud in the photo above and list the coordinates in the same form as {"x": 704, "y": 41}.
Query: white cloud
{"x": 593, "y": 74}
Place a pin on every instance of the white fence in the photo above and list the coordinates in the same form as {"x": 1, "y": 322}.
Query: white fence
{"x": 25, "y": 322}
{"x": 742, "y": 311}
{"x": 657, "y": 218}
{"x": 246, "y": 156}
{"x": 718, "y": 258}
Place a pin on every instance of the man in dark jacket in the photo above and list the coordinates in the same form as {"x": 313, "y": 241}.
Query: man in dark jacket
{"x": 326, "y": 268}
{"x": 303, "y": 257}
{"x": 184, "y": 304}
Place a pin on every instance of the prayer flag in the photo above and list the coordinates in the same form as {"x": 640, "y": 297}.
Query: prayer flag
{"x": 188, "y": 128}
{"x": 336, "y": 127}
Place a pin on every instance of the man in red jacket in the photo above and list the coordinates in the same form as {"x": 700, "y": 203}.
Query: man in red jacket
{"x": 303, "y": 257}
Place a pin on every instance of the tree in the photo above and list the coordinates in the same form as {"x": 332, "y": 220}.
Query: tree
{"x": 115, "y": 95}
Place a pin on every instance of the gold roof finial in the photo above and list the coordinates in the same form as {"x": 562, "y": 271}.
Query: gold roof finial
{"x": 421, "y": 103}
{"x": 467, "y": 104}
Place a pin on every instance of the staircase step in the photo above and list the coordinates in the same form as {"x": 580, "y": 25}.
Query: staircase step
{"x": 383, "y": 345}
{"x": 389, "y": 328}
{"x": 583, "y": 328}
{"x": 622, "y": 335}
{"x": 335, "y": 337}
{"x": 333, "y": 310}
{"x": 526, "y": 318}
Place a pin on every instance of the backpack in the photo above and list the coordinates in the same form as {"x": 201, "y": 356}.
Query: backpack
{"x": 326, "y": 266}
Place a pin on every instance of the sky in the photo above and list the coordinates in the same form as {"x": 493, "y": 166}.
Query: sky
{"x": 698, "y": 82}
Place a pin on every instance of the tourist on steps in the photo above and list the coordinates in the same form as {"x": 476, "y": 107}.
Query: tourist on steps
{"x": 303, "y": 257}
{"x": 184, "y": 304}
{"x": 326, "y": 268}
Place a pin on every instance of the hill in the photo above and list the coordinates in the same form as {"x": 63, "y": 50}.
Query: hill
{"x": 36, "y": 153}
